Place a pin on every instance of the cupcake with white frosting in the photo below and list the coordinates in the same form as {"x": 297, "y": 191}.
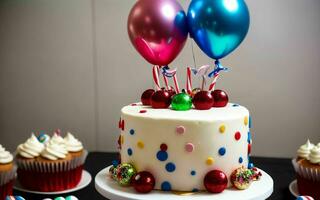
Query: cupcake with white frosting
{"x": 7, "y": 172}
{"x": 307, "y": 167}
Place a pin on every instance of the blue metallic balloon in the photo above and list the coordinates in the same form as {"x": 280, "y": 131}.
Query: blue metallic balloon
{"x": 218, "y": 26}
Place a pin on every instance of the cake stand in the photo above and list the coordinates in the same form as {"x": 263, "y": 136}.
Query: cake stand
{"x": 108, "y": 188}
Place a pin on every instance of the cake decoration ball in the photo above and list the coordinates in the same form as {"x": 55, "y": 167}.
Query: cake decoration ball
{"x": 171, "y": 92}
{"x": 125, "y": 172}
{"x": 220, "y": 98}
{"x": 203, "y": 100}
{"x": 215, "y": 181}
{"x": 113, "y": 172}
{"x": 14, "y": 198}
{"x": 146, "y": 97}
{"x": 71, "y": 197}
{"x": 160, "y": 99}
{"x": 195, "y": 91}
{"x": 241, "y": 178}
{"x": 43, "y": 138}
{"x": 181, "y": 102}
{"x": 304, "y": 198}
{"x": 143, "y": 182}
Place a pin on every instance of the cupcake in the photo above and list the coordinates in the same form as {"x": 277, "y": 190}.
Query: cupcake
{"x": 7, "y": 173}
{"x": 307, "y": 167}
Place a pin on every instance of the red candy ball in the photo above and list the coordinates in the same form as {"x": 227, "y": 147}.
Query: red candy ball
{"x": 215, "y": 181}
{"x": 160, "y": 99}
{"x": 203, "y": 100}
{"x": 146, "y": 97}
{"x": 171, "y": 91}
{"x": 143, "y": 182}
{"x": 220, "y": 98}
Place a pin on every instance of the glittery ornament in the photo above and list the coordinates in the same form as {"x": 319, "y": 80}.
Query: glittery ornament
{"x": 143, "y": 182}
{"x": 215, "y": 181}
{"x": 242, "y": 177}
{"x": 195, "y": 91}
{"x": 113, "y": 172}
{"x": 124, "y": 173}
{"x": 181, "y": 101}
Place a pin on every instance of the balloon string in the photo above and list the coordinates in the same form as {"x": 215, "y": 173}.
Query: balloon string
{"x": 155, "y": 74}
{"x": 165, "y": 79}
{"x": 189, "y": 81}
{"x": 193, "y": 56}
{"x": 215, "y": 74}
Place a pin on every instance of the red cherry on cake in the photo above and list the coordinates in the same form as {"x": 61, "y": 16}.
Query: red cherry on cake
{"x": 203, "y": 100}
{"x": 160, "y": 99}
{"x": 215, "y": 181}
{"x": 146, "y": 97}
{"x": 143, "y": 182}
{"x": 220, "y": 98}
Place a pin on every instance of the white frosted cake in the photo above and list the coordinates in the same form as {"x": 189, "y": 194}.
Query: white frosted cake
{"x": 180, "y": 147}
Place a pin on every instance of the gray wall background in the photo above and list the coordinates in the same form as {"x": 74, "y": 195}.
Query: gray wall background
{"x": 69, "y": 64}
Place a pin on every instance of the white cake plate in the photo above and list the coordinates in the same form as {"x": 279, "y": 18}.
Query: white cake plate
{"x": 85, "y": 181}
{"x": 293, "y": 187}
{"x": 108, "y": 188}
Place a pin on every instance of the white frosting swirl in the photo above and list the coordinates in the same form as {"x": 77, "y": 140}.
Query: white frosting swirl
{"x": 5, "y": 156}
{"x": 54, "y": 151}
{"x": 304, "y": 150}
{"x": 314, "y": 156}
{"x": 58, "y": 140}
{"x": 73, "y": 144}
{"x": 31, "y": 148}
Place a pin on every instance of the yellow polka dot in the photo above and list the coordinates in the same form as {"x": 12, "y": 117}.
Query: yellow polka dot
{"x": 140, "y": 144}
{"x": 121, "y": 139}
{"x": 246, "y": 120}
{"x": 209, "y": 161}
{"x": 222, "y": 128}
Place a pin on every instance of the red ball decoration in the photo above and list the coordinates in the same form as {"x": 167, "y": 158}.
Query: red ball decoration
{"x": 160, "y": 99}
{"x": 146, "y": 97}
{"x": 220, "y": 98}
{"x": 143, "y": 182}
{"x": 203, "y": 100}
{"x": 215, "y": 181}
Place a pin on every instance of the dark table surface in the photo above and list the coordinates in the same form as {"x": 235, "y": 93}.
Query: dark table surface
{"x": 278, "y": 168}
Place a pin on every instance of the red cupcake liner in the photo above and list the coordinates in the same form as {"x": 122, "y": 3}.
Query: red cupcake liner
{"x": 6, "y": 189}
{"x": 308, "y": 187}
{"x": 50, "y": 182}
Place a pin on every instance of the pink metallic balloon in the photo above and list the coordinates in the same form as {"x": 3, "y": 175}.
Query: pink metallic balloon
{"x": 158, "y": 30}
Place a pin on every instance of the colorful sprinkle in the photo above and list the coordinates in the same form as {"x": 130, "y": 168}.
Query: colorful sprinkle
{"x": 240, "y": 160}
{"x": 142, "y": 111}
{"x": 193, "y": 173}
{"x": 129, "y": 152}
{"x": 180, "y": 129}
{"x": 209, "y": 161}
{"x": 162, "y": 155}
{"x": 140, "y": 144}
{"x": 237, "y": 135}
{"x": 246, "y": 120}
{"x": 166, "y": 186}
{"x": 222, "y": 128}
{"x": 222, "y": 151}
{"x": 170, "y": 167}
{"x": 131, "y": 132}
{"x": 163, "y": 147}
{"x": 189, "y": 147}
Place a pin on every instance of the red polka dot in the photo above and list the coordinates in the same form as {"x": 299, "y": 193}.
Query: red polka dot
{"x": 249, "y": 148}
{"x": 237, "y": 135}
{"x": 142, "y": 111}
{"x": 163, "y": 147}
{"x": 133, "y": 104}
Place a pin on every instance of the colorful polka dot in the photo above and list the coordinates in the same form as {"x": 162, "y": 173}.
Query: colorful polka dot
{"x": 131, "y": 132}
{"x": 189, "y": 147}
{"x": 240, "y": 159}
{"x": 246, "y": 120}
{"x": 193, "y": 173}
{"x": 162, "y": 155}
{"x": 163, "y": 147}
{"x": 166, "y": 186}
{"x": 129, "y": 151}
{"x": 250, "y": 122}
{"x": 180, "y": 129}
{"x": 222, "y": 128}
{"x": 222, "y": 151}
{"x": 249, "y": 148}
{"x": 209, "y": 161}
{"x": 235, "y": 105}
{"x": 250, "y": 165}
{"x": 170, "y": 167}
{"x": 237, "y": 135}
{"x": 249, "y": 137}
{"x": 142, "y": 111}
{"x": 140, "y": 144}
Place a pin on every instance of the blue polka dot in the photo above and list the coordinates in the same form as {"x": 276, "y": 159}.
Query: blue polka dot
{"x": 170, "y": 167}
{"x": 195, "y": 190}
{"x": 129, "y": 151}
{"x": 235, "y": 105}
{"x": 193, "y": 173}
{"x": 249, "y": 137}
{"x": 250, "y": 122}
{"x": 166, "y": 186}
{"x": 240, "y": 160}
{"x": 131, "y": 131}
{"x": 222, "y": 151}
{"x": 250, "y": 165}
{"x": 162, "y": 155}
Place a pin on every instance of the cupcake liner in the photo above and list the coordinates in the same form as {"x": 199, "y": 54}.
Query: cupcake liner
{"x": 78, "y": 161}
{"x": 8, "y": 176}
{"x": 6, "y": 189}
{"x": 306, "y": 172}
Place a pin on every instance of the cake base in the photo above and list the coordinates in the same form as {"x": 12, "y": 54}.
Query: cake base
{"x": 109, "y": 188}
